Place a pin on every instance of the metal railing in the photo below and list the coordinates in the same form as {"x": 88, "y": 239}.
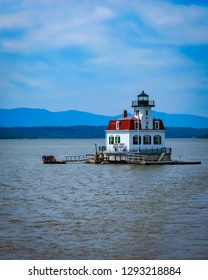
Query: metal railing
{"x": 151, "y": 150}
{"x": 77, "y": 158}
{"x": 147, "y": 103}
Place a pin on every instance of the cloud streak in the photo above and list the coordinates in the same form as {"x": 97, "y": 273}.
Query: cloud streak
{"x": 177, "y": 24}
{"x": 103, "y": 48}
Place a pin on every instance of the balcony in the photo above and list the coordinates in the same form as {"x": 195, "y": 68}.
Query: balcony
{"x": 143, "y": 103}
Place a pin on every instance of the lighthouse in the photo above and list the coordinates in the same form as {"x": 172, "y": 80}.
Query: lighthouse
{"x": 139, "y": 133}
{"x": 142, "y": 110}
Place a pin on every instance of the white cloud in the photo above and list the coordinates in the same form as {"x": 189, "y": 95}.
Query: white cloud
{"x": 15, "y": 20}
{"x": 57, "y": 24}
{"x": 177, "y": 24}
{"x": 51, "y": 27}
{"x": 131, "y": 44}
{"x": 30, "y": 82}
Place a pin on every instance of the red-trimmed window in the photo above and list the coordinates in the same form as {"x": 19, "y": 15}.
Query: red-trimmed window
{"x": 117, "y": 125}
{"x": 157, "y": 125}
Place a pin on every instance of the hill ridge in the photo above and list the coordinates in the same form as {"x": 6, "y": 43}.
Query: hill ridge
{"x": 28, "y": 117}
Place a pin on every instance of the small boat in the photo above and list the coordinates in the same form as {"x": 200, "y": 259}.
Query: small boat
{"x": 52, "y": 160}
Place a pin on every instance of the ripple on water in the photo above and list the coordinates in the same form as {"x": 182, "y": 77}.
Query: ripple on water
{"x": 80, "y": 211}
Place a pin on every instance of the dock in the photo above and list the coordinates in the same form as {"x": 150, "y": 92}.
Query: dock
{"x": 172, "y": 162}
{"x": 79, "y": 158}
{"x": 128, "y": 158}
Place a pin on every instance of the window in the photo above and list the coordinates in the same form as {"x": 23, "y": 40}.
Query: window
{"x": 137, "y": 112}
{"x": 146, "y": 112}
{"x": 147, "y": 125}
{"x": 157, "y": 125}
{"x": 111, "y": 140}
{"x": 157, "y": 139}
{"x": 136, "y": 125}
{"x": 147, "y": 140}
{"x": 117, "y": 125}
{"x": 117, "y": 139}
{"x": 136, "y": 140}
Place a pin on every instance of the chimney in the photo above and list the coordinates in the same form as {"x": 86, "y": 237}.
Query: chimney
{"x": 124, "y": 113}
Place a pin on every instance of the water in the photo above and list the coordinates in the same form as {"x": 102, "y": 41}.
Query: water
{"x": 84, "y": 211}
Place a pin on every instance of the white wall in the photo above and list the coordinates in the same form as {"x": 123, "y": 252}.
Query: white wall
{"x": 151, "y": 133}
{"x": 146, "y": 120}
{"x": 126, "y": 136}
{"x": 124, "y": 139}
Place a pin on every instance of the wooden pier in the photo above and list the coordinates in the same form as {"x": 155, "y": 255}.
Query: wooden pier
{"x": 172, "y": 162}
{"x": 79, "y": 158}
{"x": 128, "y": 158}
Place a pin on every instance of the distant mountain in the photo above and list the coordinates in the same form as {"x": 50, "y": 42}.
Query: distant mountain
{"x": 26, "y": 117}
{"x": 40, "y": 117}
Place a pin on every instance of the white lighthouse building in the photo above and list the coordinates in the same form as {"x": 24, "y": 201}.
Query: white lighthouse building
{"x": 140, "y": 133}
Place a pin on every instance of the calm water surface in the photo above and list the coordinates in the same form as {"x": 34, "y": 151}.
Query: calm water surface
{"x": 83, "y": 211}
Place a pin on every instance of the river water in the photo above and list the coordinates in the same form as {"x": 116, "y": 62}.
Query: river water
{"x": 87, "y": 211}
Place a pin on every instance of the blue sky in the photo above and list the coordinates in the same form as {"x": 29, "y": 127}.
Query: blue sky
{"x": 96, "y": 56}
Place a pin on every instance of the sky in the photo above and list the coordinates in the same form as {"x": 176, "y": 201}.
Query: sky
{"x": 97, "y": 56}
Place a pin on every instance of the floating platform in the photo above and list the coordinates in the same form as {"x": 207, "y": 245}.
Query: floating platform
{"x": 152, "y": 162}
{"x": 136, "y": 159}
{"x": 172, "y": 162}
{"x": 55, "y": 162}
{"x": 139, "y": 160}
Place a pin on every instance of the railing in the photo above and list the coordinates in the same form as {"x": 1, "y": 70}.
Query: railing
{"x": 133, "y": 158}
{"x": 138, "y": 103}
{"x": 76, "y": 158}
{"x": 139, "y": 150}
{"x": 151, "y": 150}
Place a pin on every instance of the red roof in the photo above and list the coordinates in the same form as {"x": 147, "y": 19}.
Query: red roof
{"x": 128, "y": 124}
{"x": 161, "y": 126}
{"x": 124, "y": 123}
